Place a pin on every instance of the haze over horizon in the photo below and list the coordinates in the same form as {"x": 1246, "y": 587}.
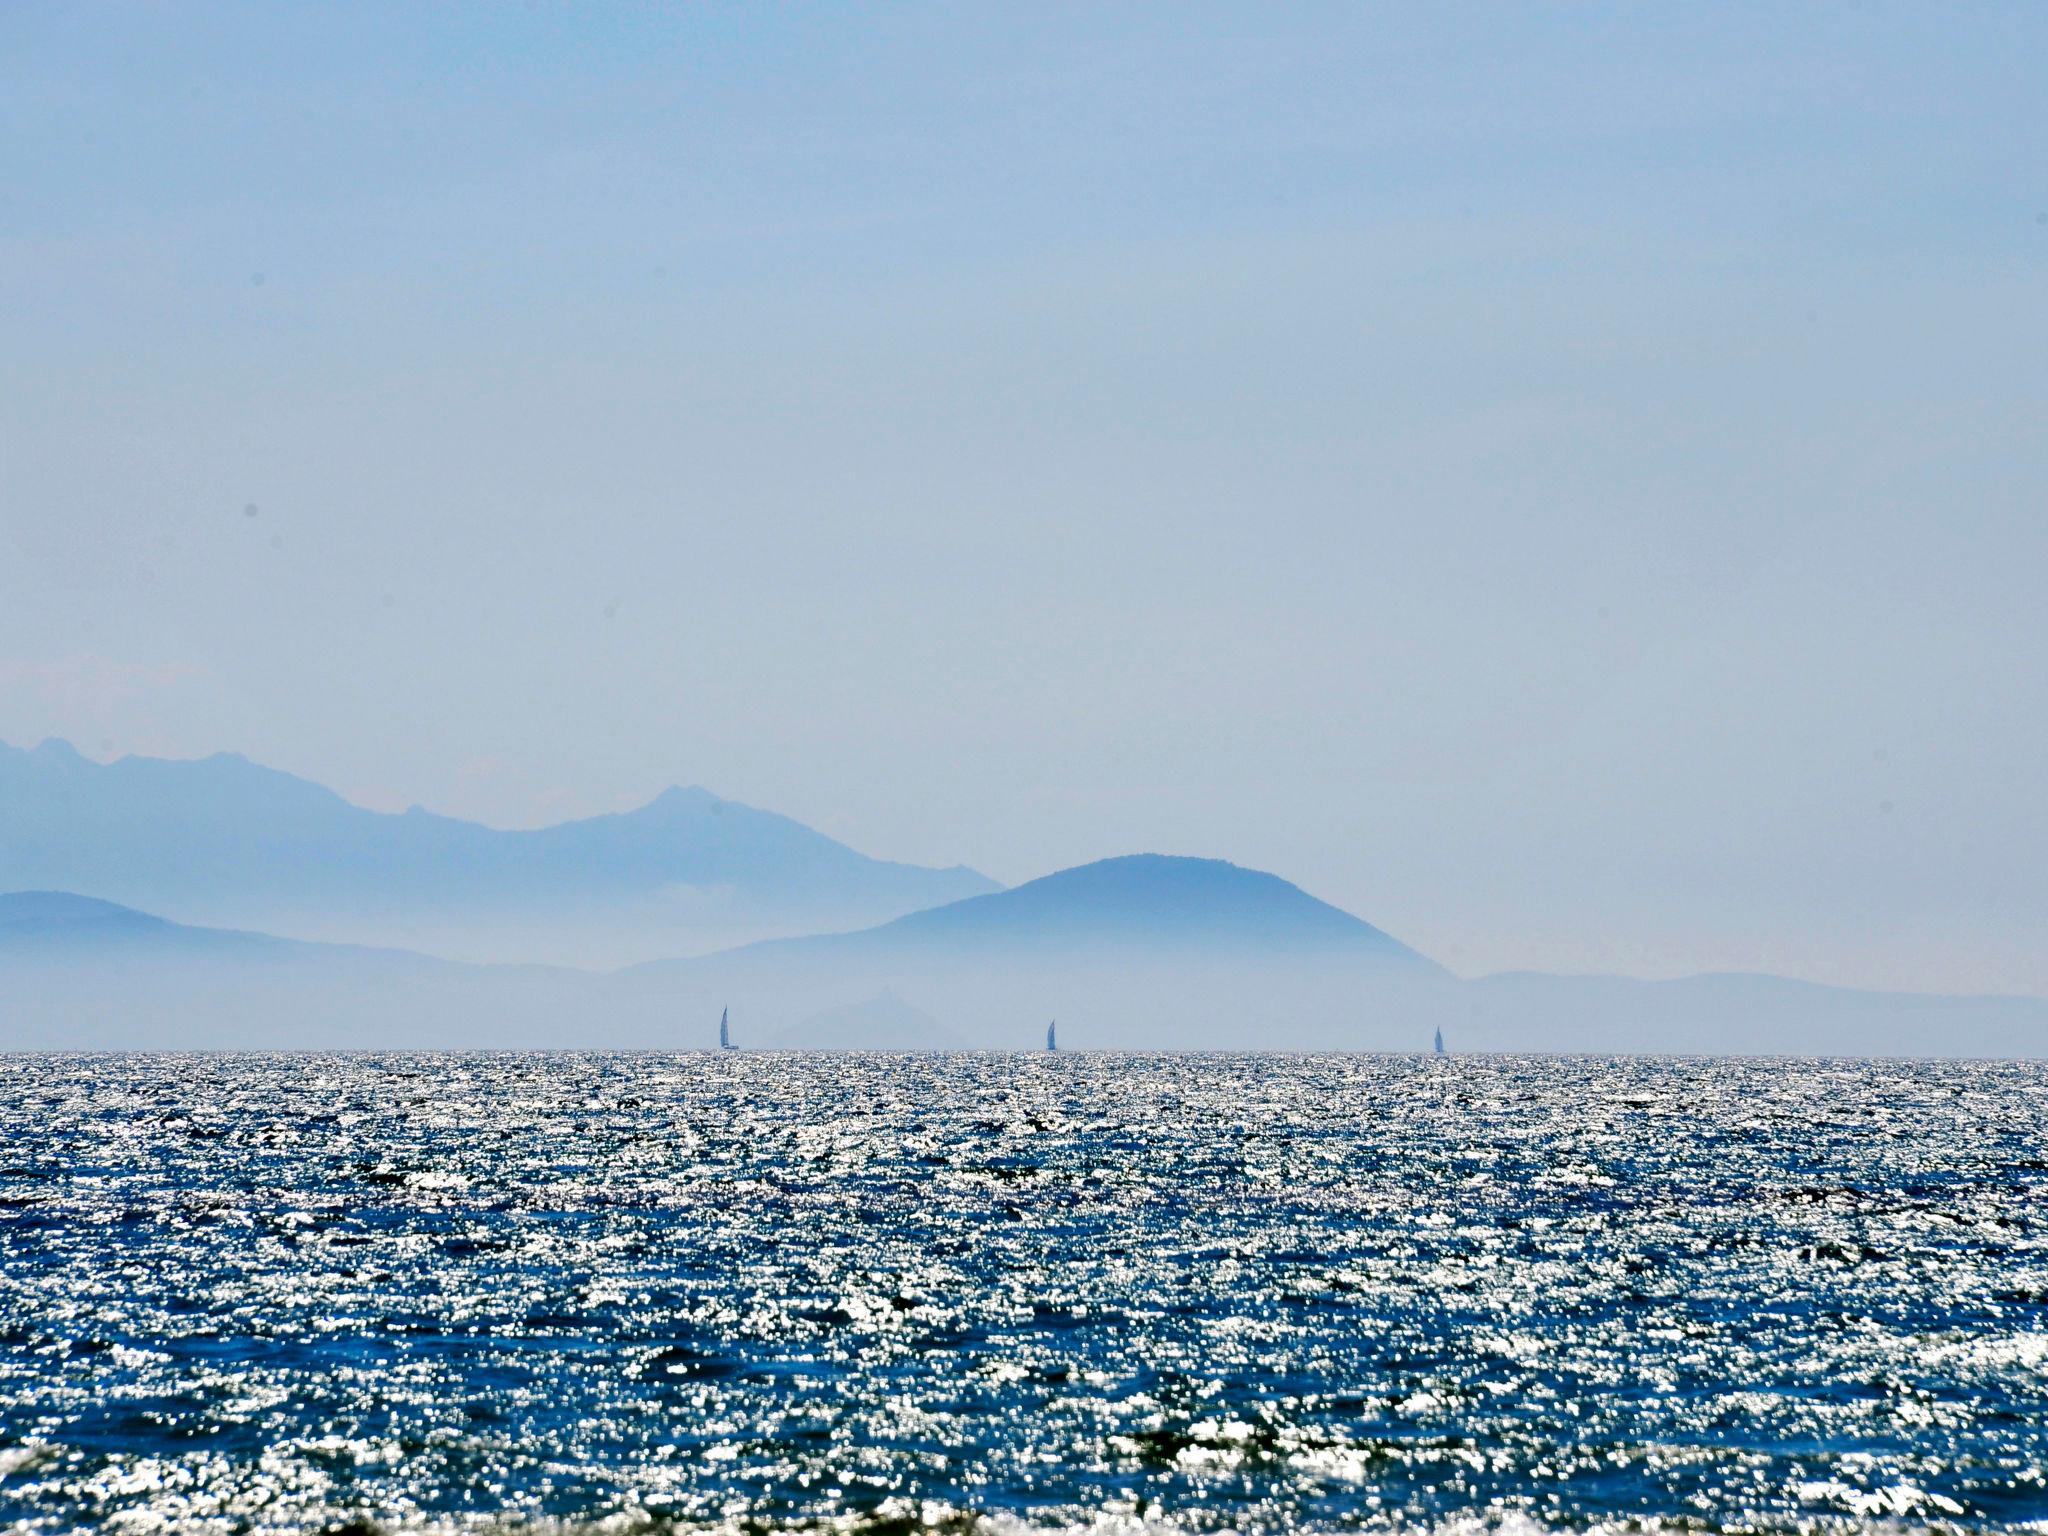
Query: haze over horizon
{"x": 1567, "y": 491}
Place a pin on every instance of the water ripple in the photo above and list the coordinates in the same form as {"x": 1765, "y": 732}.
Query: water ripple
{"x": 1081, "y": 1291}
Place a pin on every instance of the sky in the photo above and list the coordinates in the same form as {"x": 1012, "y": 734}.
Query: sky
{"x": 1568, "y": 484}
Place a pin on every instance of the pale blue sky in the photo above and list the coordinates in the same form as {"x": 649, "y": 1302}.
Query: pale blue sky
{"x": 1566, "y": 483}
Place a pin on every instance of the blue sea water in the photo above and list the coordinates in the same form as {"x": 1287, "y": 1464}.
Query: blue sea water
{"x": 757, "y": 1291}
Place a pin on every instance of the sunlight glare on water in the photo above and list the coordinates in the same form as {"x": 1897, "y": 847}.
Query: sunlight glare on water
{"x": 1077, "y": 1290}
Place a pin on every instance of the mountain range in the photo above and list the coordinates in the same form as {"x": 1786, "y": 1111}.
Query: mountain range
{"x": 1170, "y": 952}
{"x": 1143, "y": 952}
{"x": 1099, "y": 948}
{"x": 223, "y": 841}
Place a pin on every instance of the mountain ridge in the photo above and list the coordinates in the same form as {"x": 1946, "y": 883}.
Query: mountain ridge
{"x": 77, "y": 972}
{"x": 1212, "y": 900}
{"x": 1219, "y": 905}
{"x": 222, "y": 840}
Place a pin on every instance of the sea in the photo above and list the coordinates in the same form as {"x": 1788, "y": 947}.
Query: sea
{"x": 753, "y": 1292}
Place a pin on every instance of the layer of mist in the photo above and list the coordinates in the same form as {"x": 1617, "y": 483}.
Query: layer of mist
{"x": 1130, "y": 954}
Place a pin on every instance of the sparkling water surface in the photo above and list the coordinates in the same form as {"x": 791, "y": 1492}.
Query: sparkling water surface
{"x": 1210, "y": 1292}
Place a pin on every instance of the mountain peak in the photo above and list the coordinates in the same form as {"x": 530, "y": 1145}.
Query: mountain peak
{"x": 680, "y": 798}
{"x": 226, "y": 840}
{"x": 45, "y": 920}
{"x": 1158, "y": 901}
{"x": 56, "y": 906}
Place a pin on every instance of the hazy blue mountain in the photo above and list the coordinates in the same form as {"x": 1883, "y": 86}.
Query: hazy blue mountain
{"x": 1145, "y": 954}
{"x": 1145, "y": 950}
{"x": 225, "y": 841}
{"x": 1137, "y": 905}
{"x": 43, "y": 922}
{"x": 78, "y": 973}
{"x": 1149, "y": 952}
{"x": 1151, "y": 901}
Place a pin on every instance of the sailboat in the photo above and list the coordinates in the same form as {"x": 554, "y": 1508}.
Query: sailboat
{"x": 1052, "y": 1039}
{"x": 1439, "y": 1042}
{"x": 724, "y": 1033}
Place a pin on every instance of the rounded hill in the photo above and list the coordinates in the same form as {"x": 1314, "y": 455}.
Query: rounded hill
{"x": 1153, "y": 901}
